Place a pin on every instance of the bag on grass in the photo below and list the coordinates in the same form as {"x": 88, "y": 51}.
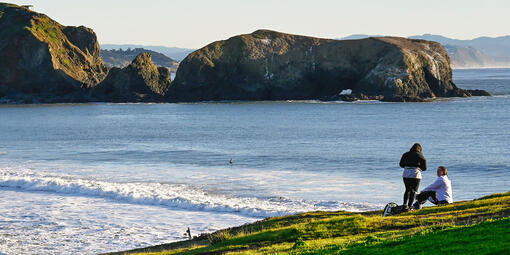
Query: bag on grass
{"x": 392, "y": 209}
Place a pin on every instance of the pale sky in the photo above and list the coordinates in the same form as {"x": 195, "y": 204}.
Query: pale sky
{"x": 195, "y": 23}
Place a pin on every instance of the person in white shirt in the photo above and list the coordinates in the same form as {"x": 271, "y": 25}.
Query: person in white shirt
{"x": 439, "y": 192}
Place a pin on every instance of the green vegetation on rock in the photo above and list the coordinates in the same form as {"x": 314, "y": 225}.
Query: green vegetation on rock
{"x": 47, "y": 30}
{"x": 42, "y": 57}
{"x": 480, "y": 226}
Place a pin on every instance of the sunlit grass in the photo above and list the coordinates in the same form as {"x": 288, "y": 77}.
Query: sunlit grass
{"x": 480, "y": 226}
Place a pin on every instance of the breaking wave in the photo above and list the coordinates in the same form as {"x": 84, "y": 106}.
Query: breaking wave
{"x": 175, "y": 196}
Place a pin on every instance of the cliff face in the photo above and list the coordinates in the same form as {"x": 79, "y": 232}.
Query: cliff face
{"x": 268, "y": 65}
{"x": 140, "y": 81}
{"x": 43, "y": 61}
{"x": 41, "y": 57}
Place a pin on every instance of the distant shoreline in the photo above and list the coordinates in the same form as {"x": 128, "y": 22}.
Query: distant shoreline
{"x": 484, "y": 67}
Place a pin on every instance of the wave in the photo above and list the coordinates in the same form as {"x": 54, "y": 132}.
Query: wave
{"x": 176, "y": 196}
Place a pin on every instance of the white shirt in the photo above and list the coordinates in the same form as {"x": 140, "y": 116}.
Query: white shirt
{"x": 412, "y": 172}
{"x": 443, "y": 187}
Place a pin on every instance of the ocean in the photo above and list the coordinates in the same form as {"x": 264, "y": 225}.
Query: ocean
{"x": 92, "y": 178}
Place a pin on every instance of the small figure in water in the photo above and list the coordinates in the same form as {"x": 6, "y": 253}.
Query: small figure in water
{"x": 189, "y": 233}
{"x": 231, "y": 161}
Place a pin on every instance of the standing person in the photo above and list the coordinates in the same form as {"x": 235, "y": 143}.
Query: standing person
{"x": 439, "y": 192}
{"x": 413, "y": 163}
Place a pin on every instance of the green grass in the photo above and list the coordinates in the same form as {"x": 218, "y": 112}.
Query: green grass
{"x": 50, "y": 32}
{"x": 42, "y": 27}
{"x": 490, "y": 237}
{"x": 480, "y": 226}
{"x": 47, "y": 29}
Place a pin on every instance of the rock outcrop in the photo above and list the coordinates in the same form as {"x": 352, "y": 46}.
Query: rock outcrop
{"x": 121, "y": 58}
{"x": 140, "y": 81}
{"x": 44, "y": 61}
{"x": 268, "y": 65}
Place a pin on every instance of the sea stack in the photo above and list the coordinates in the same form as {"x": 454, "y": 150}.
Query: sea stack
{"x": 140, "y": 81}
{"x": 43, "y": 60}
{"x": 269, "y": 65}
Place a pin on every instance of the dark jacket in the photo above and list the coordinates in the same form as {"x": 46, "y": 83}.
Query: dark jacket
{"x": 413, "y": 158}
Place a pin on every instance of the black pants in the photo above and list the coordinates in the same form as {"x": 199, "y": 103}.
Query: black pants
{"x": 422, "y": 198}
{"x": 412, "y": 185}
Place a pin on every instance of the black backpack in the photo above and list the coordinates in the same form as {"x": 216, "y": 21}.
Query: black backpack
{"x": 393, "y": 209}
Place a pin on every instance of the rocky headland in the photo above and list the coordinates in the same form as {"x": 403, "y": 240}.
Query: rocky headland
{"x": 268, "y": 65}
{"x": 44, "y": 61}
{"x": 140, "y": 81}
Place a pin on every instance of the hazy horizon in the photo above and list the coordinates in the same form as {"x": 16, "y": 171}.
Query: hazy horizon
{"x": 195, "y": 23}
{"x": 368, "y": 35}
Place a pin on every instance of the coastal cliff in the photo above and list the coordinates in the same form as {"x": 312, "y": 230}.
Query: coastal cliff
{"x": 268, "y": 65}
{"x": 140, "y": 81}
{"x": 45, "y": 61}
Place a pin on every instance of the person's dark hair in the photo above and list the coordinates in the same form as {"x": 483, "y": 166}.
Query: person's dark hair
{"x": 416, "y": 147}
{"x": 442, "y": 168}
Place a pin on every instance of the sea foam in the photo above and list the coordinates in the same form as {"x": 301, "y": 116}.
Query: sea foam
{"x": 175, "y": 196}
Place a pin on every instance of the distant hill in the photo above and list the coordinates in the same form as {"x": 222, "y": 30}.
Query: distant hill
{"x": 477, "y": 53}
{"x": 496, "y": 47}
{"x": 358, "y": 36}
{"x": 469, "y": 57}
{"x": 122, "y": 58}
{"x": 172, "y": 52}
